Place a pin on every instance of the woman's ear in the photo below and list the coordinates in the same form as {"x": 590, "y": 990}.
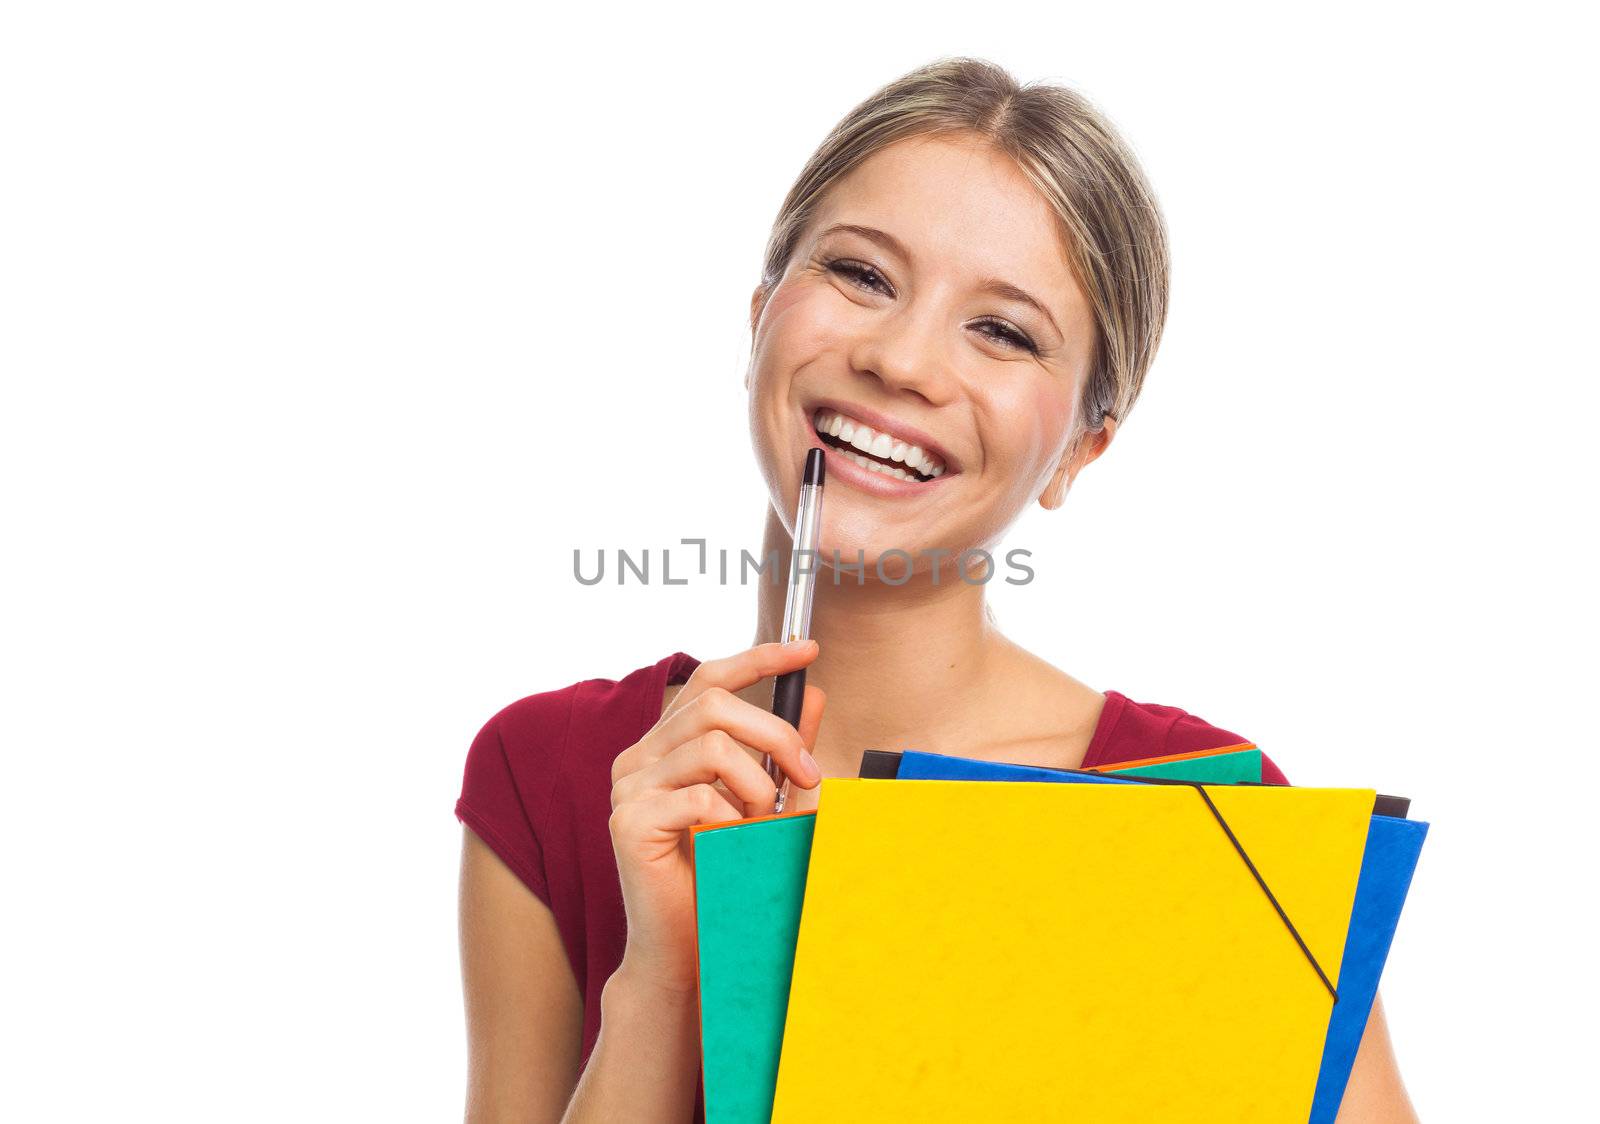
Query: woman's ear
{"x": 758, "y": 301}
{"x": 1087, "y": 447}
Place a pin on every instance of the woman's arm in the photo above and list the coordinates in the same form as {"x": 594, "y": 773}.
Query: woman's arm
{"x": 524, "y": 1012}
{"x": 646, "y": 1061}
{"x": 1375, "y": 1094}
{"x": 697, "y": 765}
{"x": 525, "y": 1017}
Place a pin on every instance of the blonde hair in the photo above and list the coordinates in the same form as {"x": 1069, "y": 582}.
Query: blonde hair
{"x": 1114, "y": 230}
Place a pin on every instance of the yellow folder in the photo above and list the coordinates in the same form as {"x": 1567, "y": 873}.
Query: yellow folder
{"x": 1032, "y": 951}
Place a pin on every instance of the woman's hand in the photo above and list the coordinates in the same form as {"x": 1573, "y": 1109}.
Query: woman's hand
{"x": 699, "y": 764}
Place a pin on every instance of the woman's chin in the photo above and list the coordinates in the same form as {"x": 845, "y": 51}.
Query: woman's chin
{"x": 855, "y": 562}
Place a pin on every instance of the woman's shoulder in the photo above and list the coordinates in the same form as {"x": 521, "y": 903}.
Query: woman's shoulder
{"x": 545, "y": 759}
{"x": 603, "y": 709}
{"x": 1130, "y": 731}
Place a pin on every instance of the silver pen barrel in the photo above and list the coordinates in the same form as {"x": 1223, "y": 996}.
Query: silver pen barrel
{"x": 788, "y": 693}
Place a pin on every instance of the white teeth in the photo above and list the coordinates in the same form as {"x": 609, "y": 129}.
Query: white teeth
{"x": 884, "y": 469}
{"x": 918, "y": 464}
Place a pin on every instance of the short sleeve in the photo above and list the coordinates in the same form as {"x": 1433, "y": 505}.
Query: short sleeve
{"x": 492, "y": 807}
{"x": 1270, "y": 773}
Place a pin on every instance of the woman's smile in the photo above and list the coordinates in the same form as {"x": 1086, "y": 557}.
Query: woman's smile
{"x": 876, "y": 452}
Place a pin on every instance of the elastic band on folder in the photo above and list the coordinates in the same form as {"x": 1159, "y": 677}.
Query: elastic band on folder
{"x": 1323, "y": 976}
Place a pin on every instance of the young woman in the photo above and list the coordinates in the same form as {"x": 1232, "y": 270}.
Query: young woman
{"x": 961, "y": 296}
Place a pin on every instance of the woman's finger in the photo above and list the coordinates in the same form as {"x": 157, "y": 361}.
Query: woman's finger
{"x": 744, "y": 669}
{"x": 660, "y": 821}
{"x": 811, "y": 715}
{"x": 718, "y": 709}
{"x": 713, "y": 756}
{"x": 724, "y": 676}
{"x": 717, "y": 678}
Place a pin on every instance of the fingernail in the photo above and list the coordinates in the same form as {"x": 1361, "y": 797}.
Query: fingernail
{"x": 797, "y": 645}
{"x": 810, "y": 763}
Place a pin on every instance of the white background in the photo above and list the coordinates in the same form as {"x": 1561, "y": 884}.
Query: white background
{"x": 330, "y": 330}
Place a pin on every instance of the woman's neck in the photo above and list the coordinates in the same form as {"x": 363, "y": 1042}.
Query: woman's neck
{"x": 914, "y": 666}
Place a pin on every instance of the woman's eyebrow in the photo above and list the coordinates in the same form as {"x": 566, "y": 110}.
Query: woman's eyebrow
{"x": 1009, "y": 291}
{"x": 871, "y": 233}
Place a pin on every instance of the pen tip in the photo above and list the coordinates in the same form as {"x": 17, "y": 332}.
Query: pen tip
{"x": 813, "y": 467}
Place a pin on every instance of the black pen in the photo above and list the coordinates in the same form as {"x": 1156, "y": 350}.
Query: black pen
{"x": 789, "y": 692}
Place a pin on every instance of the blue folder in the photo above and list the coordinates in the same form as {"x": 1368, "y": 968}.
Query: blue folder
{"x": 1393, "y": 847}
{"x": 1387, "y": 864}
{"x": 918, "y": 766}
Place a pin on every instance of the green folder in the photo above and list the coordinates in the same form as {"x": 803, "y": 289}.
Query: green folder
{"x": 749, "y": 882}
{"x": 1221, "y": 768}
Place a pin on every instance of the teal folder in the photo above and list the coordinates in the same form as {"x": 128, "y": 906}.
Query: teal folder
{"x": 1221, "y": 768}
{"x": 749, "y": 883}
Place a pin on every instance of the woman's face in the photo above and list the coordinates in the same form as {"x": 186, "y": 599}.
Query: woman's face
{"x": 903, "y": 326}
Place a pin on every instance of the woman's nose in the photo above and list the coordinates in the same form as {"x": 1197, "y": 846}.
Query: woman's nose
{"x": 906, "y": 351}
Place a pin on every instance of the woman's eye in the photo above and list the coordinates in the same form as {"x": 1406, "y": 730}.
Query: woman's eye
{"x": 1005, "y": 333}
{"x": 862, "y": 275}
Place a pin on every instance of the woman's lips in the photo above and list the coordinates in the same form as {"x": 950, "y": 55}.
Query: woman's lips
{"x": 845, "y": 468}
{"x": 889, "y": 465}
{"x": 845, "y": 465}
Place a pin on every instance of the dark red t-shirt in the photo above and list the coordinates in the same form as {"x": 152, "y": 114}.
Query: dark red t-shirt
{"x": 537, "y": 790}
